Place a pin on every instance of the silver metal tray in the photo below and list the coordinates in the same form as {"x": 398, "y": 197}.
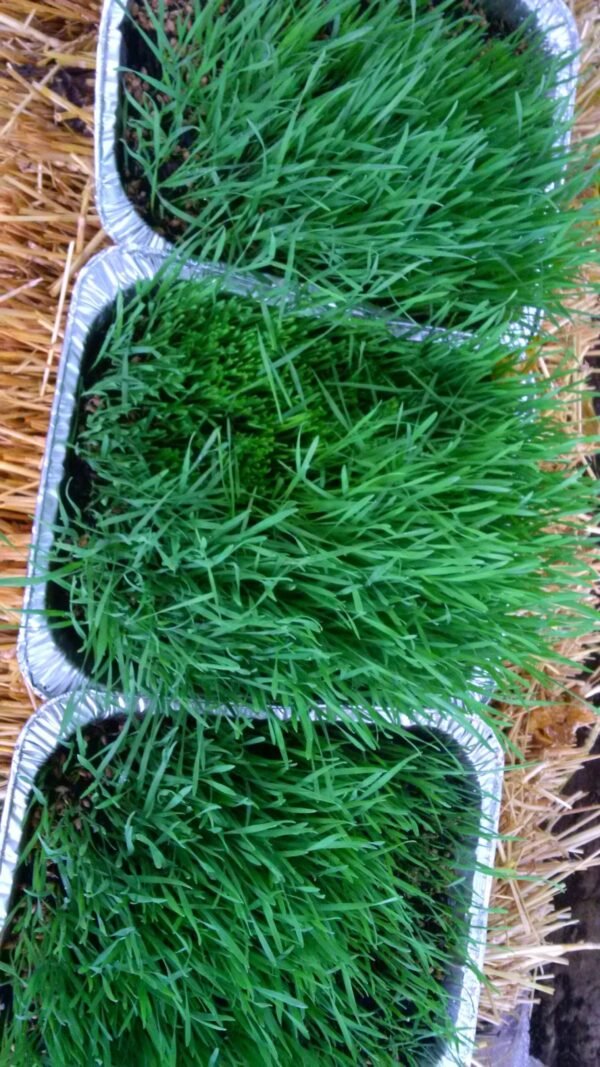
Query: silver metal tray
{"x": 119, "y": 217}
{"x": 52, "y": 672}
{"x": 43, "y": 659}
{"x": 479, "y": 748}
{"x": 49, "y": 670}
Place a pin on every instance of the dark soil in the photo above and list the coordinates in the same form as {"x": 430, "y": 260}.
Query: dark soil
{"x": 72, "y": 83}
{"x": 565, "y": 1026}
{"x": 488, "y": 17}
{"x": 136, "y": 55}
{"x": 593, "y": 379}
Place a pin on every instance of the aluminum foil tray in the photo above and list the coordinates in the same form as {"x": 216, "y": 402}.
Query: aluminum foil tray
{"x": 44, "y": 657}
{"x": 52, "y": 671}
{"x": 119, "y": 217}
{"x": 479, "y": 749}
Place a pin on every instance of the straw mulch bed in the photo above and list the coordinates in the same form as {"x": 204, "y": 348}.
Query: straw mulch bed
{"x": 519, "y": 958}
{"x": 48, "y": 229}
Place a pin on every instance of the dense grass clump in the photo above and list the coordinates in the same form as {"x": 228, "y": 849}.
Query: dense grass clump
{"x": 192, "y": 898}
{"x": 283, "y": 509}
{"x": 385, "y": 151}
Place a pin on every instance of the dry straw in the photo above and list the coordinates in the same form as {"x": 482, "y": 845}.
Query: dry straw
{"x": 48, "y": 229}
{"x": 519, "y": 958}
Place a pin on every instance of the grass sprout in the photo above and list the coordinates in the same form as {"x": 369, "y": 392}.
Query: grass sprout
{"x": 378, "y": 151}
{"x": 190, "y": 897}
{"x": 268, "y": 508}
